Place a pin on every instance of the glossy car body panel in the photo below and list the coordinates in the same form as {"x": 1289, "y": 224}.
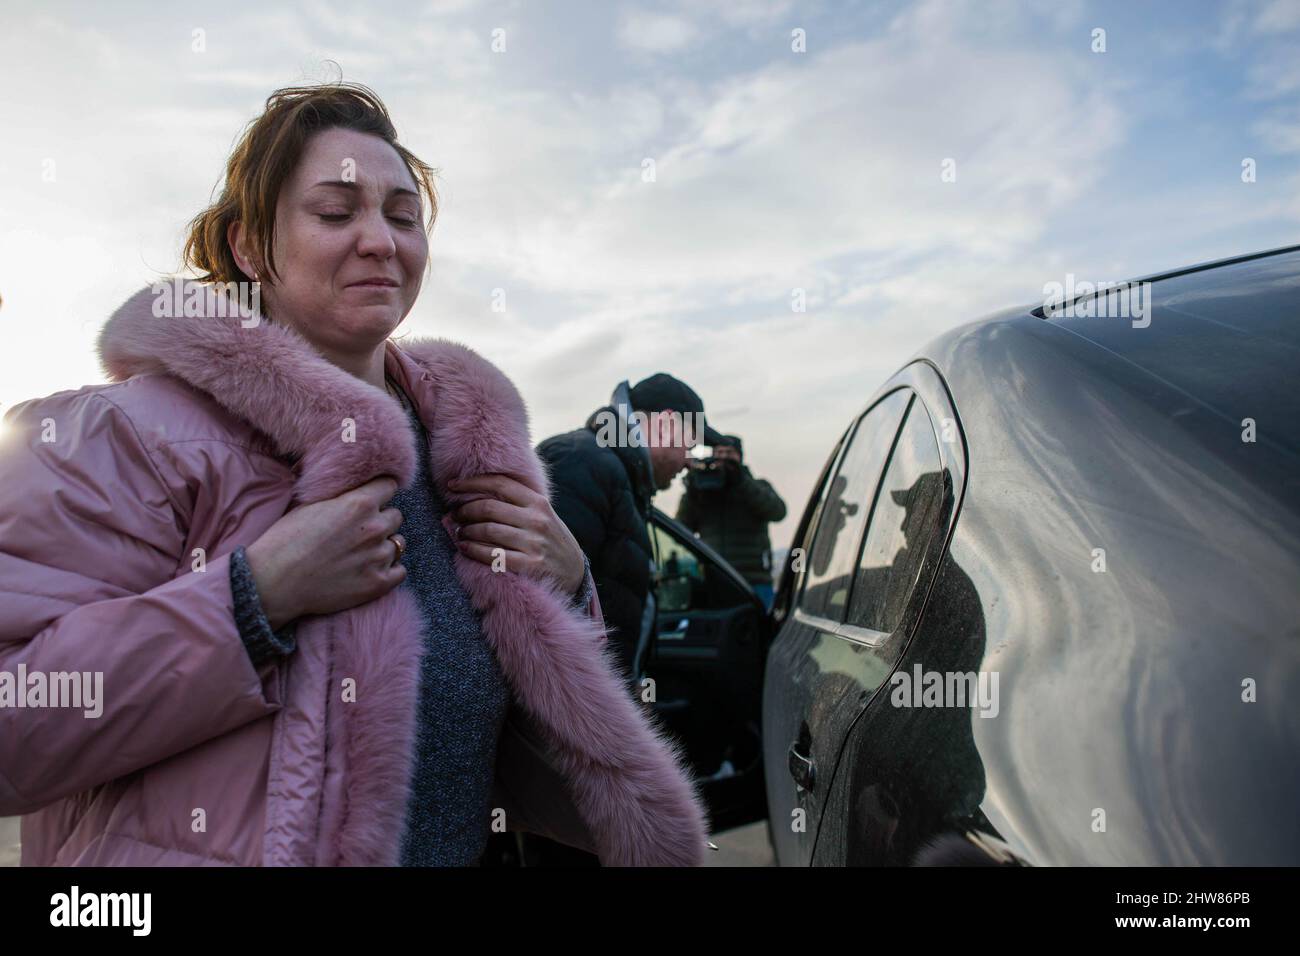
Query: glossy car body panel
{"x": 1146, "y": 706}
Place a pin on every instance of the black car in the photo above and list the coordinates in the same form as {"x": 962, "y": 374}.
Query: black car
{"x": 1043, "y": 605}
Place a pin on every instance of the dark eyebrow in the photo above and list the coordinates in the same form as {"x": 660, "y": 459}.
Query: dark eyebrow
{"x": 396, "y": 190}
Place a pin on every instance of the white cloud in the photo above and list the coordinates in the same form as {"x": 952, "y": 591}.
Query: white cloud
{"x": 1276, "y": 73}
{"x": 1279, "y": 16}
{"x": 658, "y": 33}
{"x": 764, "y": 178}
{"x": 753, "y": 12}
{"x": 1280, "y": 130}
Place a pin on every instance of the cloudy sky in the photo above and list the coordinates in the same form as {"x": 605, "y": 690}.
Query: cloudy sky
{"x": 775, "y": 170}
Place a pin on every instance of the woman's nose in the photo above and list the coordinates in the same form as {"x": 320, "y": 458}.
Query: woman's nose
{"x": 376, "y": 237}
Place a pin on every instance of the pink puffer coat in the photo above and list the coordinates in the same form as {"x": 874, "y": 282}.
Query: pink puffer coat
{"x": 119, "y": 507}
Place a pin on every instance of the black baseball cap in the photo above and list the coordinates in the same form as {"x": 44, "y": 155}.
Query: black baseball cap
{"x": 732, "y": 441}
{"x": 662, "y": 392}
{"x": 924, "y": 482}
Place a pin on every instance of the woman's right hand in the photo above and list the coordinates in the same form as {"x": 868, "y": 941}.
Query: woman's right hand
{"x": 328, "y": 556}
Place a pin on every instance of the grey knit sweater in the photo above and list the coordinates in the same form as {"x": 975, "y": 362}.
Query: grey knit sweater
{"x": 463, "y": 696}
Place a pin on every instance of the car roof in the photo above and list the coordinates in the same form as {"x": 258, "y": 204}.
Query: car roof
{"x": 1189, "y": 270}
{"x": 1226, "y": 334}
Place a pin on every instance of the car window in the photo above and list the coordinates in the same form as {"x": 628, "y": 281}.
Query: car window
{"x": 687, "y": 579}
{"x": 678, "y": 577}
{"x": 795, "y": 564}
{"x": 844, "y": 511}
{"x": 904, "y": 520}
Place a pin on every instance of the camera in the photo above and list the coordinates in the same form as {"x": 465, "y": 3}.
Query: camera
{"x": 708, "y": 474}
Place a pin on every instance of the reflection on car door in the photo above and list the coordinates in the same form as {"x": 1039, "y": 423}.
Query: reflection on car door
{"x": 810, "y": 668}
{"x": 873, "y": 549}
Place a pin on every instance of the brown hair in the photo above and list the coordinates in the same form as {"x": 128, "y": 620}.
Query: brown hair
{"x": 265, "y": 156}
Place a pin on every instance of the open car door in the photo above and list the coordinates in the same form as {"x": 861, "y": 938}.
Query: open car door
{"x": 703, "y": 669}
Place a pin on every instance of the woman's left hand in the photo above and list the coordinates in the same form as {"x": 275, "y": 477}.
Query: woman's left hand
{"x": 532, "y": 538}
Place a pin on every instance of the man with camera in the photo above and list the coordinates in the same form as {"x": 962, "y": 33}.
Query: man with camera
{"x": 730, "y": 509}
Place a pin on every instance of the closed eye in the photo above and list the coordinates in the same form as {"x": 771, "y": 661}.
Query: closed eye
{"x": 340, "y": 217}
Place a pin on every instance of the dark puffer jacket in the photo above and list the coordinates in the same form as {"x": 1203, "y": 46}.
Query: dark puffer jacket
{"x": 733, "y": 521}
{"x": 603, "y": 495}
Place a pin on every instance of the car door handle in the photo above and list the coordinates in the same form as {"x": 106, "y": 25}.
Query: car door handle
{"x": 802, "y": 768}
{"x": 679, "y": 634}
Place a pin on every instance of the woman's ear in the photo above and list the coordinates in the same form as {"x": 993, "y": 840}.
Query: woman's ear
{"x": 238, "y": 242}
